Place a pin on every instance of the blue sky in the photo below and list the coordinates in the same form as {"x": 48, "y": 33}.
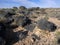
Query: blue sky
{"x": 30, "y": 3}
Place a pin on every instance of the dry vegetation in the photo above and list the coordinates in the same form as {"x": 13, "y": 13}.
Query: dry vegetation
{"x": 30, "y": 26}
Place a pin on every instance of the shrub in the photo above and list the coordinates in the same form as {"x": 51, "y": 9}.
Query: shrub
{"x": 23, "y": 21}
{"x": 34, "y": 9}
{"x": 43, "y": 11}
{"x": 9, "y": 13}
{"x": 57, "y": 34}
{"x": 6, "y": 31}
{"x": 58, "y": 17}
{"x": 2, "y": 41}
{"x": 34, "y": 37}
{"x": 46, "y": 25}
{"x": 15, "y": 8}
{"x": 22, "y": 12}
{"x": 22, "y": 7}
{"x": 26, "y": 21}
{"x": 22, "y": 34}
{"x": 58, "y": 41}
{"x": 46, "y": 17}
{"x": 30, "y": 27}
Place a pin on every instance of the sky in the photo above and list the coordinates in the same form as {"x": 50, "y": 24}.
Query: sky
{"x": 30, "y": 3}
